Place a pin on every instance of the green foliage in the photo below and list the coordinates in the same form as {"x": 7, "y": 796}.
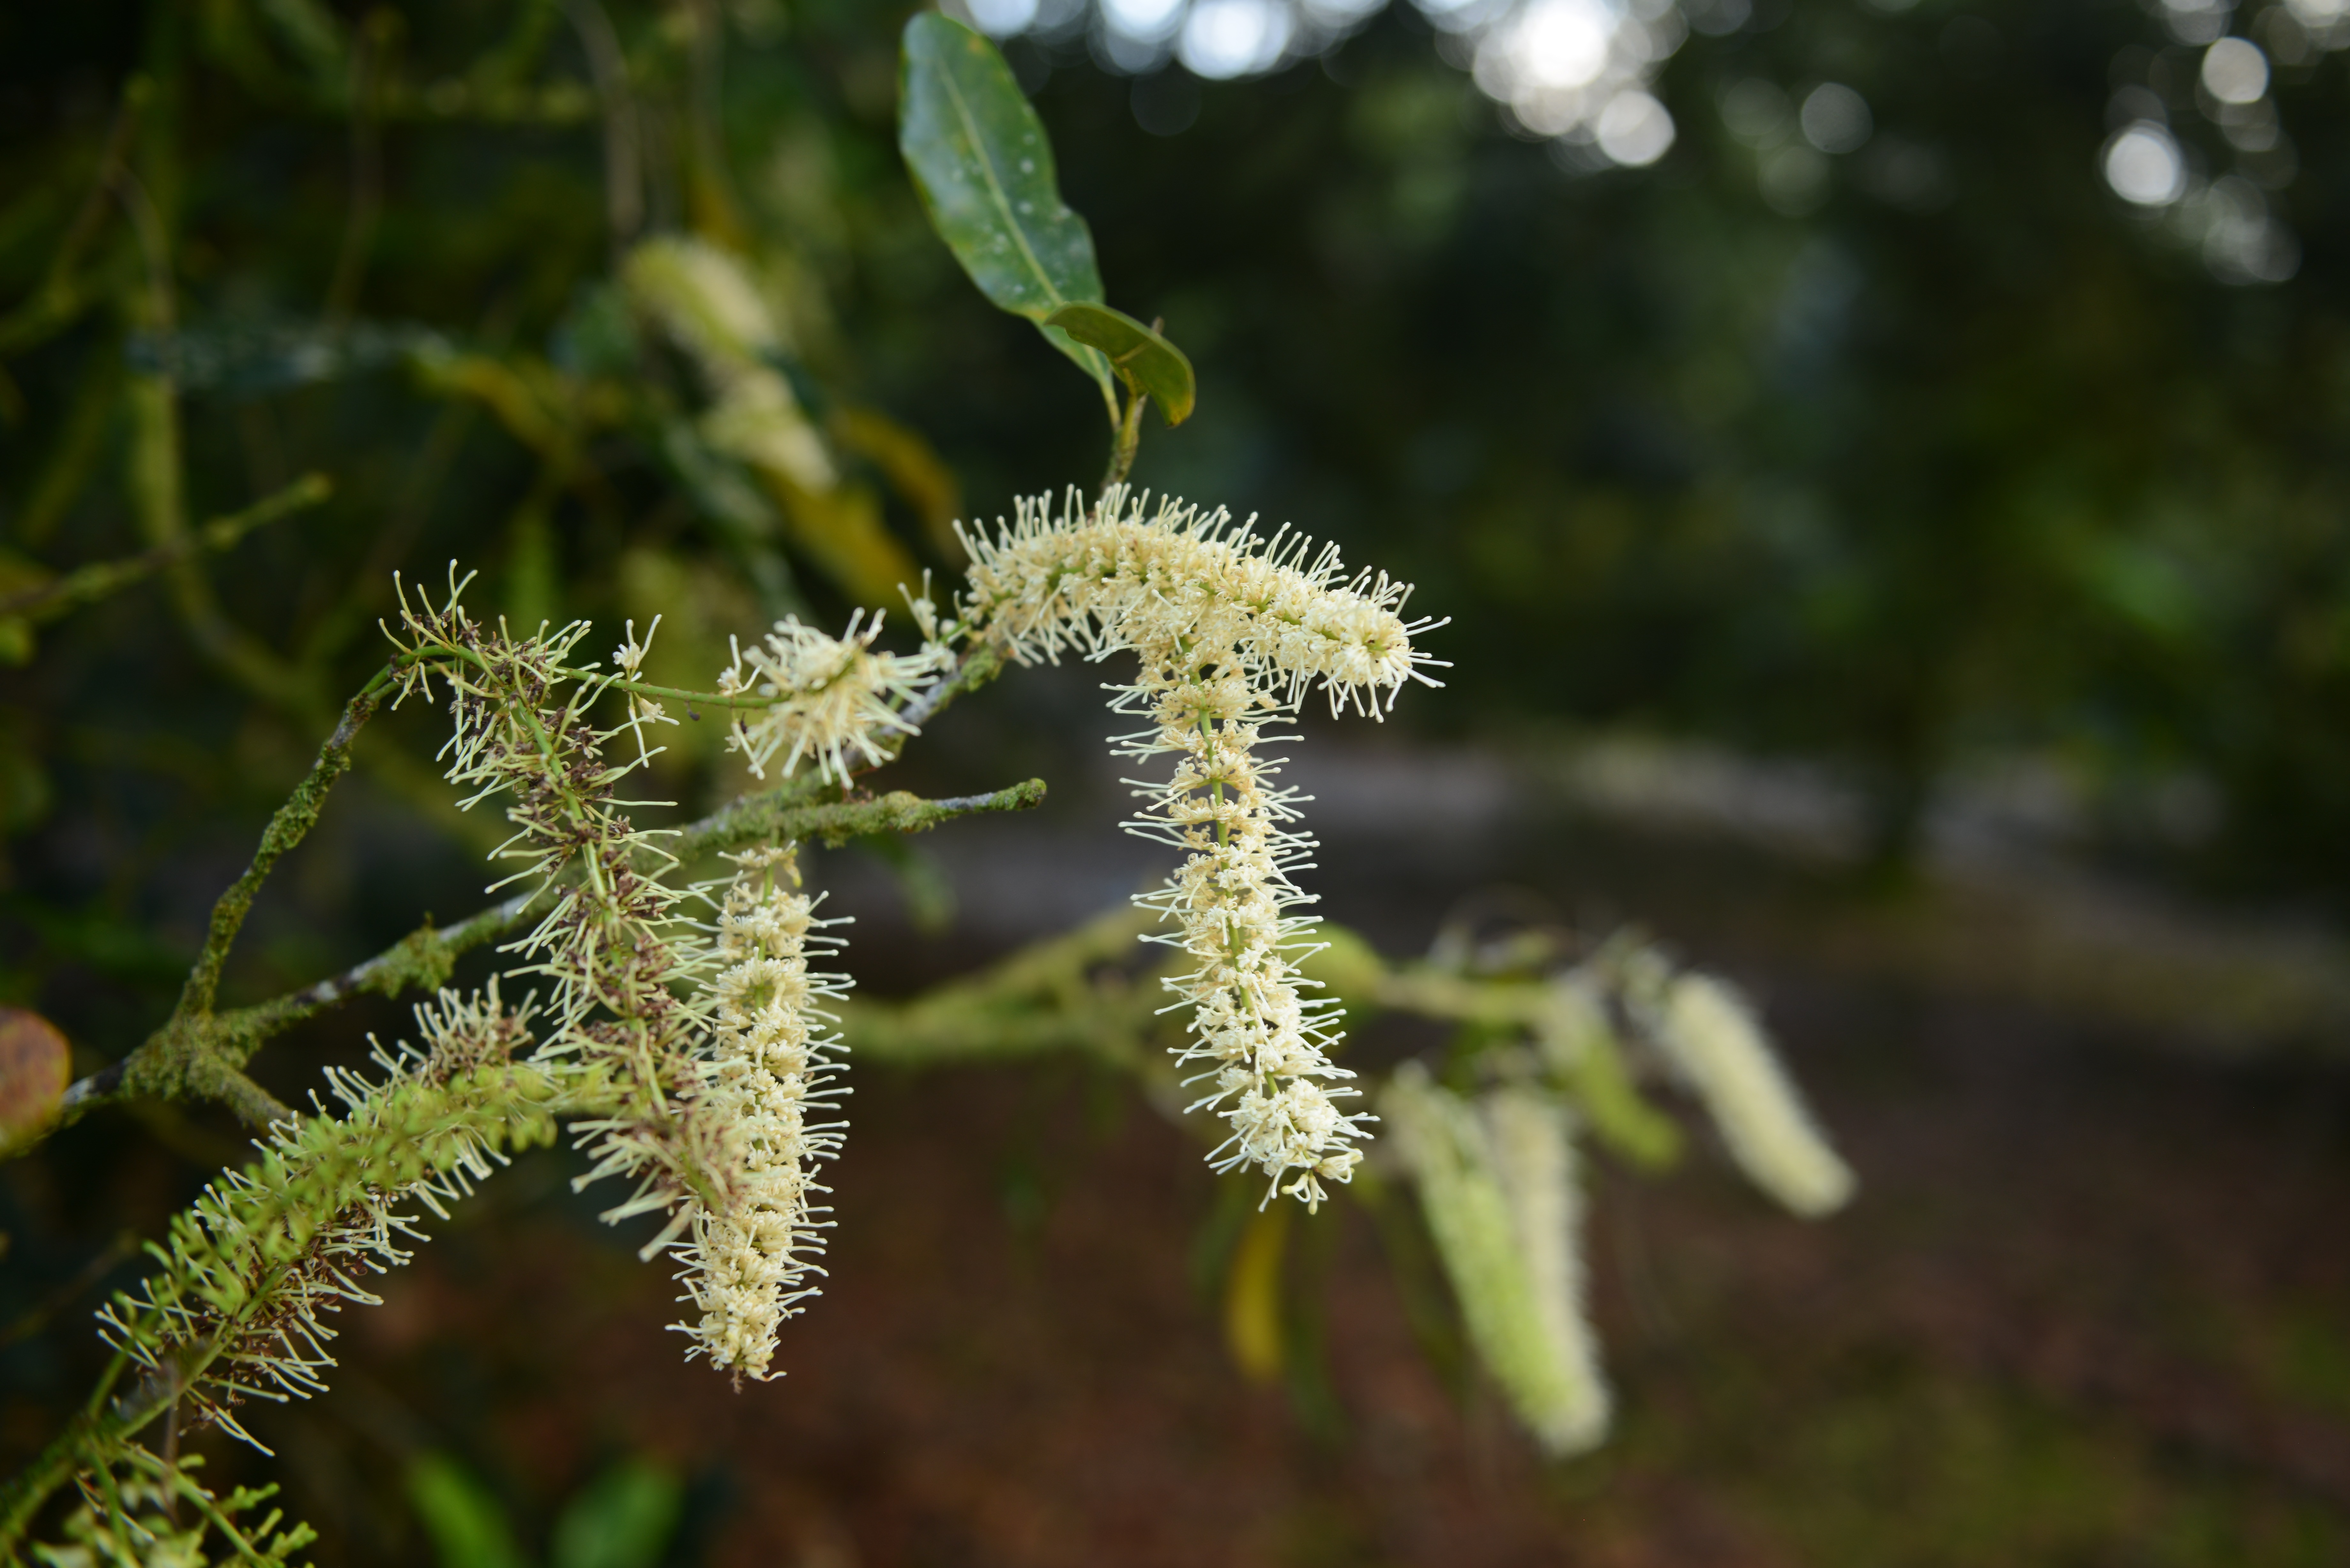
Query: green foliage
{"x": 623, "y": 1518}
{"x": 980, "y": 158}
{"x": 463, "y": 1518}
{"x": 1138, "y": 353}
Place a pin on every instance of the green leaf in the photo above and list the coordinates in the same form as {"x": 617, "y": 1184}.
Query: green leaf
{"x": 1136, "y": 352}
{"x": 468, "y": 1528}
{"x": 623, "y": 1520}
{"x": 981, "y": 160}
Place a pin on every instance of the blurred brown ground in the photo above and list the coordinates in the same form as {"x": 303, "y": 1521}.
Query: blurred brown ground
{"x": 2091, "y": 1307}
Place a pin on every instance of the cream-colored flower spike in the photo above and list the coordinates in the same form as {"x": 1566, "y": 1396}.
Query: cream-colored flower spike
{"x": 1712, "y": 1040}
{"x": 1260, "y": 1045}
{"x": 1233, "y": 632}
{"x": 1174, "y": 578}
{"x": 707, "y": 300}
{"x": 769, "y": 1068}
{"x": 1497, "y": 1184}
{"x": 1564, "y": 1398}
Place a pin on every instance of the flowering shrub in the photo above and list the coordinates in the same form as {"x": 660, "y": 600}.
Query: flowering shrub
{"x": 684, "y": 1033}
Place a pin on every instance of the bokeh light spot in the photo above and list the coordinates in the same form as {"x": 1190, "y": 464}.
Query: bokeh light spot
{"x": 1756, "y": 111}
{"x": 1835, "y": 119}
{"x": 2197, "y": 21}
{"x": 1794, "y": 180}
{"x": 1562, "y": 42}
{"x": 1002, "y": 18}
{"x": 1635, "y": 130}
{"x": 2235, "y": 71}
{"x": 2143, "y": 165}
{"x": 1227, "y": 38}
{"x": 1143, "y": 19}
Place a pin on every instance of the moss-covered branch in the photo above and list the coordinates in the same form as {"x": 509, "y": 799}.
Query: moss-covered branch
{"x": 291, "y": 824}
{"x": 1062, "y": 994}
{"x": 86, "y": 585}
{"x": 773, "y": 816}
{"x": 200, "y": 1054}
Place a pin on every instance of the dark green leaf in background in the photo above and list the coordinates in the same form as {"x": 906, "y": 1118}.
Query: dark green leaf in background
{"x": 464, "y": 1519}
{"x": 623, "y": 1520}
{"x": 1151, "y": 362}
{"x": 979, "y": 159}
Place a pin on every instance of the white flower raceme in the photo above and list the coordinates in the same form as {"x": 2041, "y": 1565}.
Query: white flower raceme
{"x": 757, "y": 418}
{"x": 1713, "y": 1041}
{"x": 767, "y": 1069}
{"x": 1565, "y": 1399}
{"x": 523, "y": 728}
{"x": 1232, "y": 631}
{"x": 1262, "y": 1046}
{"x": 703, "y": 297}
{"x": 1125, "y": 576}
{"x": 831, "y": 695}
{"x": 704, "y": 1057}
{"x": 1496, "y": 1182}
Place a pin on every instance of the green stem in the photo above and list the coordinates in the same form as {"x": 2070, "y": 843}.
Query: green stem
{"x": 292, "y": 822}
{"x": 200, "y": 1057}
{"x": 91, "y": 583}
{"x": 1128, "y": 437}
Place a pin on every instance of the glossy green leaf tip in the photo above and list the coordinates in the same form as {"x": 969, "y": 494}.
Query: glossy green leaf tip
{"x": 1136, "y": 352}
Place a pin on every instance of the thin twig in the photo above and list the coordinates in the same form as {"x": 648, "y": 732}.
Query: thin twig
{"x": 200, "y": 1057}
{"x": 157, "y": 484}
{"x": 92, "y": 213}
{"x": 368, "y": 69}
{"x": 88, "y": 584}
{"x": 285, "y": 829}
{"x": 624, "y": 195}
{"x": 1126, "y": 439}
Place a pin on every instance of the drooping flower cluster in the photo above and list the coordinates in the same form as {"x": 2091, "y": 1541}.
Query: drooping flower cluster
{"x": 1233, "y": 632}
{"x": 1709, "y": 1037}
{"x": 1497, "y": 1183}
{"x": 830, "y": 696}
{"x": 1262, "y": 1045}
{"x": 699, "y": 1047}
{"x": 238, "y": 1307}
{"x": 769, "y": 1068}
{"x": 608, "y": 941}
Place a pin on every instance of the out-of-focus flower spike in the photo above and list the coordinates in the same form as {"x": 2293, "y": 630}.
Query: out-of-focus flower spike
{"x": 1715, "y": 1043}
{"x": 1496, "y": 1186}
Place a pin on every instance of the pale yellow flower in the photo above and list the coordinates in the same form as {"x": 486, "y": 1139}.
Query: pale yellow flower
{"x": 832, "y": 697}
{"x": 770, "y": 1066}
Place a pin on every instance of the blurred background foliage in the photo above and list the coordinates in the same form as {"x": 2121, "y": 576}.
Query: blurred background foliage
{"x": 1926, "y": 448}
{"x": 1985, "y": 408}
